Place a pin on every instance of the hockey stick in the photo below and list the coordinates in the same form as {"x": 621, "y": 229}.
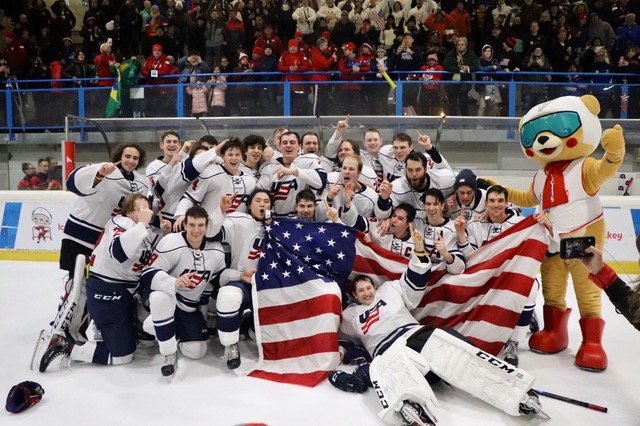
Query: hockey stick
{"x": 571, "y": 401}
{"x": 443, "y": 118}
{"x": 628, "y": 187}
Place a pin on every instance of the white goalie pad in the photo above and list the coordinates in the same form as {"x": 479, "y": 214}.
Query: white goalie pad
{"x": 72, "y": 315}
{"x": 398, "y": 375}
{"x": 477, "y": 372}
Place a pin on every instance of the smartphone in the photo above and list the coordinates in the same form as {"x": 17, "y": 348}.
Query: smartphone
{"x": 572, "y": 248}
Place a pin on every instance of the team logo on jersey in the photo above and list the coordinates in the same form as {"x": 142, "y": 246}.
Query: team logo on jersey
{"x": 281, "y": 190}
{"x": 134, "y": 186}
{"x": 370, "y": 316}
{"x": 198, "y": 277}
{"x": 237, "y": 202}
{"x": 256, "y": 249}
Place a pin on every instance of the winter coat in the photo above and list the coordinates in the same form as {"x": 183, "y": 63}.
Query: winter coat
{"x": 103, "y": 67}
{"x": 214, "y": 34}
{"x": 345, "y": 66}
{"x": 298, "y": 59}
{"x": 217, "y": 93}
{"x": 199, "y": 98}
{"x": 319, "y": 62}
{"x": 431, "y": 76}
{"x": 274, "y": 42}
{"x": 161, "y": 65}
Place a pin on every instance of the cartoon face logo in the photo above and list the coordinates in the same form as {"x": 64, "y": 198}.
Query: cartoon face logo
{"x": 41, "y": 217}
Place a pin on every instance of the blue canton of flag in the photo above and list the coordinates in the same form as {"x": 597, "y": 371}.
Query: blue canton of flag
{"x": 296, "y": 251}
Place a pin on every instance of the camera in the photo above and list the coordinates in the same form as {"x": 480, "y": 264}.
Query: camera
{"x": 572, "y": 248}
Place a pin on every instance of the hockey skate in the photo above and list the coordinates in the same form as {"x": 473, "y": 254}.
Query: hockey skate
{"x": 59, "y": 347}
{"x": 232, "y": 356}
{"x": 531, "y": 404}
{"x": 511, "y": 353}
{"x": 534, "y": 325}
{"x": 170, "y": 366}
{"x": 413, "y": 414}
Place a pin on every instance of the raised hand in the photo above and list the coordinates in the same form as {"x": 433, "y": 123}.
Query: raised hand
{"x": 227, "y": 201}
{"x": 417, "y": 237}
{"x": 177, "y": 225}
{"x": 385, "y": 189}
{"x": 184, "y": 281}
{"x": 425, "y": 141}
{"x": 107, "y": 168}
{"x": 334, "y": 190}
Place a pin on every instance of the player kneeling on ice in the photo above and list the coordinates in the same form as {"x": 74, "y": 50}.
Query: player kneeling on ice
{"x": 180, "y": 275}
{"x": 404, "y": 352}
{"x": 116, "y": 265}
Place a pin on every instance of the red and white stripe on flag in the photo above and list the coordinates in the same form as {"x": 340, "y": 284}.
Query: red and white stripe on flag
{"x": 485, "y": 302}
{"x": 378, "y": 263}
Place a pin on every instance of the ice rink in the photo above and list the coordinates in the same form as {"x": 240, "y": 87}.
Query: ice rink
{"x": 204, "y": 392}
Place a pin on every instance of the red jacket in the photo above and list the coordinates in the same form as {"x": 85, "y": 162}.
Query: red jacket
{"x": 274, "y": 42}
{"x": 298, "y": 59}
{"x": 56, "y": 68}
{"x": 103, "y": 67}
{"x": 345, "y": 66}
{"x": 431, "y": 77}
{"x": 17, "y": 56}
{"x": 161, "y": 65}
{"x": 319, "y": 62}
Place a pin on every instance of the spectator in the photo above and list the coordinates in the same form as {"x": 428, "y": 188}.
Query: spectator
{"x": 530, "y": 12}
{"x": 29, "y": 171}
{"x": 17, "y": 57}
{"x": 153, "y": 22}
{"x": 268, "y": 92}
{"x": 283, "y": 19}
{"x": 129, "y": 29}
{"x": 182, "y": 24}
{"x": 269, "y": 38}
{"x": 214, "y": 36}
{"x": 501, "y": 9}
{"x": 602, "y": 29}
{"x": 39, "y": 17}
{"x": 344, "y": 30}
{"x": 462, "y": 62}
{"x": 93, "y": 37}
{"x": 441, "y": 22}
{"x": 408, "y": 58}
{"x": 79, "y": 70}
{"x": 421, "y": 10}
{"x": 244, "y": 94}
{"x": 534, "y": 37}
{"x": 143, "y": 16}
{"x": 432, "y": 95}
{"x": 217, "y": 100}
{"x": 322, "y": 61}
{"x": 330, "y": 12}
{"x": 40, "y": 180}
{"x": 602, "y": 84}
{"x": 305, "y": 17}
{"x": 67, "y": 51}
{"x": 627, "y": 34}
{"x": 62, "y": 20}
{"x": 490, "y": 99}
{"x": 169, "y": 47}
{"x": 156, "y": 70}
{"x": 197, "y": 39}
{"x": 294, "y": 61}
{"x": 462, "y": 20}
{"x": 535, "y": 94}
{"x": 352, "y": 69}
{"x": 104, "y": 61}
{"x": 234, "y": 35}
{"x": 48, "y": 46}
{"x": 96, "y": 12}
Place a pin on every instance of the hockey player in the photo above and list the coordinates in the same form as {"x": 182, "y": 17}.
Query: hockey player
{"x": 418, "y": 178}
{"x": 440, "y": 238}
{"x": 170, "y": 145}
{"x": 116, "y": 265}
{"x": 467, "y": 195}
{"x": 393, "y": 157}
{"x": 365, "y": 199}
{"x": 216, "y": 181}
{"x": 404, "y": 351}
{"x": 254, "y": 146}
{"x": 101, "y": 189}
{"x": 244, "y": 233}
{"x": 395, "y": 235}
{"x": 288, "y": 175}
{"x": 180, "y": 276}
{"x": 175, "y": 178}
{"x": 474, "y": 234}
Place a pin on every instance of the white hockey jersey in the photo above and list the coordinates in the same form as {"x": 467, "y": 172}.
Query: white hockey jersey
{"x": 388, "y": 317}
{"x": 442, "y": 179}
{"x": 98, "y": 204}
{"x": 174, "y": 181}
{"x": 214, "y": 182}
{"x": 122, "y": 252}
{"x": 284, "y": 191}
{"x": 365, "y": 201}
{"x": 394, "y": 169}
{"x": 479, "y": 232}
{"x": 477, "y": 207}
{"x": 401, "y": 246}
{"x": 173, "y": 258}
{"x": 431, "y": 235}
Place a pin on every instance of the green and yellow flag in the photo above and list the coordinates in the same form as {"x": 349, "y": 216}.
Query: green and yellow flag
{"x": 113, "y": 104}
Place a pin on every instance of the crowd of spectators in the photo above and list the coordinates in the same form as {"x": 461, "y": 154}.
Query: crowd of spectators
{"x": 47, "y": 175}
{"x": 358, "y": 40}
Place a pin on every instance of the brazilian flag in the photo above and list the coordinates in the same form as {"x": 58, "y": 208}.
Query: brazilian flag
{"x": 113, "y": 104}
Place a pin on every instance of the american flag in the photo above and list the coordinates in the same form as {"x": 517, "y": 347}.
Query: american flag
{"x": 297, "y": 301}
{"x": 485, "y": 302}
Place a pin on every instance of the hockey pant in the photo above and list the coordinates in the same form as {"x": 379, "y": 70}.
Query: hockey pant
{"x": 171, "y": 325}
{"x": 398, "y": 375}
{"x": 72, "y": 318}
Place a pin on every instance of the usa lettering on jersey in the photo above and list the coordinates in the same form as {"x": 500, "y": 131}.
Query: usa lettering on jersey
{"x": 370, "y": 316}
{"x": 281, "y": 190}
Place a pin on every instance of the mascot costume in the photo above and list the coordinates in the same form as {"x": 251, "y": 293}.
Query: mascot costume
{"x": 559, "y": 135}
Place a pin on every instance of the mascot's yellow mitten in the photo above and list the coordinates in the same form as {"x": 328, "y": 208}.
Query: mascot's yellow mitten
{"x": 560, "y": 135}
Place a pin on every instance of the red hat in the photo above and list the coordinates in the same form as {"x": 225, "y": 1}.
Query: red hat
{"x": 157, "y": 47}
{"x": 326, "y": 34}
{"x": 349, "y": 46}
{"x": 258, "y": 51}
{"x": 292, "y": 42}
{"x": 511, "y": 42}
{"x": 298, "y": 34}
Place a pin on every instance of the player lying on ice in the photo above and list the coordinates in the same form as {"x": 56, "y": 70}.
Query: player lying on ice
{"x": 404, "y": 352}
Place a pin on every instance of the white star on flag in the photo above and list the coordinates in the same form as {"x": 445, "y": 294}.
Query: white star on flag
{"x": 286, "y": 274}
{"x": 331, "y": 243}
{"x": 298, "y": 226}
{"x": 265, "y": 277}
{"x": 308, "y": 238}
{"x": 340, "y": 255}
{"x": 296, "y": 247}
{"x": 286, "y": 234}
{"x": 274, "y": 265}
{"x": 322, "y": 229}
{"x": 300, "y": 269}
{"x": 345, "y": 234}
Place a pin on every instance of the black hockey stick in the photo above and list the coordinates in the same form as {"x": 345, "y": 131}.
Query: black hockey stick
{"x": 443, "y": 118}
{"x": 571, "y": 401}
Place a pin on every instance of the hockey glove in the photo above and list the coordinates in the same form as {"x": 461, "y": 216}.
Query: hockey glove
{"x": 356, "y": 355}
{"x": 347, "y": 382}
{"x": 23, "y": 395}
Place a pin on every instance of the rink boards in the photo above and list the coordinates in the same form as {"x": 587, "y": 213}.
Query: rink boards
{"x": 32, "y": 225}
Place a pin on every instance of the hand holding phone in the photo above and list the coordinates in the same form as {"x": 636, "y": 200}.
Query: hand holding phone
{"x": 574, "y": 248}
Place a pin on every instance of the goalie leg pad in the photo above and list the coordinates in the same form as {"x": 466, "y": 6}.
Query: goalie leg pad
{"x": 398, "y": 375}
{"x": 477, "y": 372}
{"x": 72, "y": 317}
